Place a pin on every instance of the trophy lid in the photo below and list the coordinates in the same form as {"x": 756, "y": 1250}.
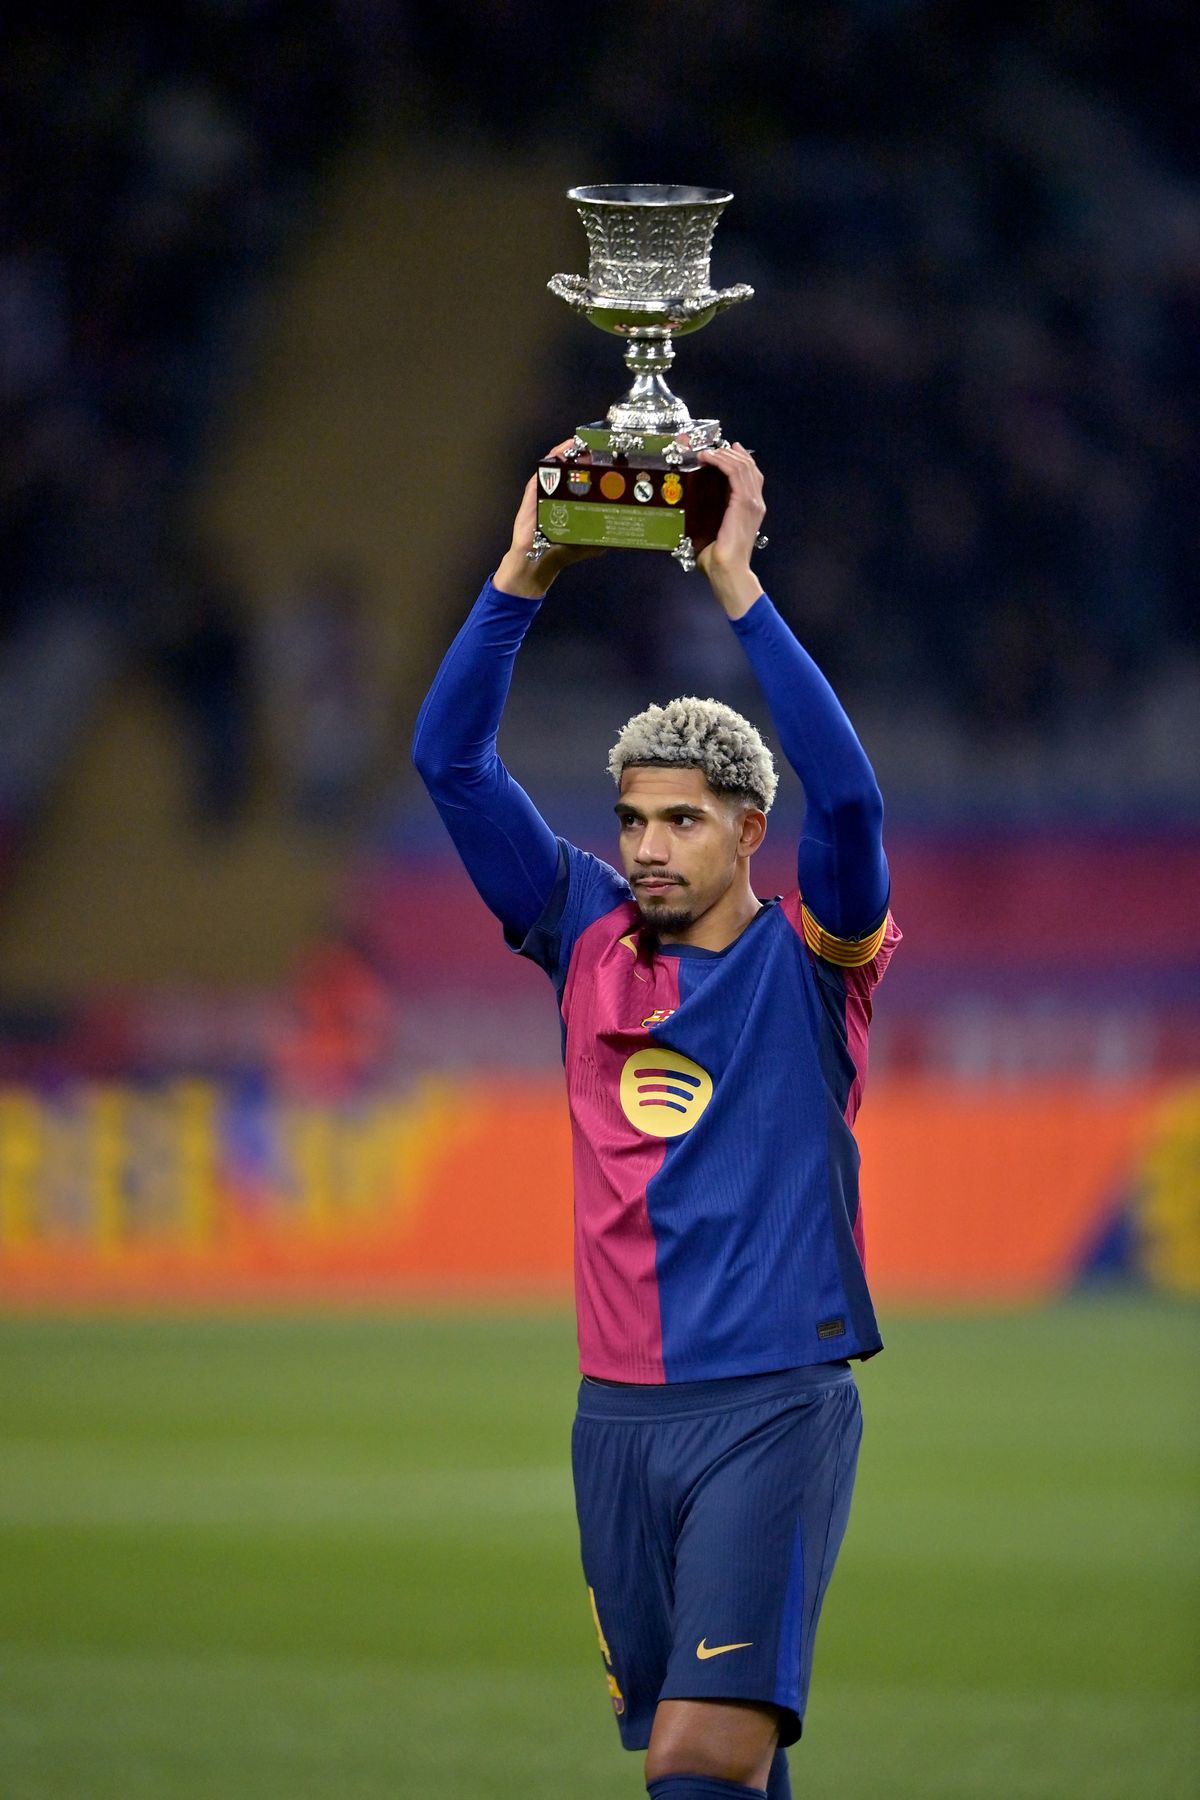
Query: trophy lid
{"x": 649, "y": 241}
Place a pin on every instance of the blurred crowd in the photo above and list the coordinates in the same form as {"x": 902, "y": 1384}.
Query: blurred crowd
{"x": 150, "y": 170}
{"x": 970, "y": 369}
{"x": 971, "y": 365}
{"x": 970, "y": 372}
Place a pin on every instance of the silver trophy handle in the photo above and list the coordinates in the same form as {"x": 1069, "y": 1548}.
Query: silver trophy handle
{"x": 571, "y": 288}
{"x": 627, "y": 315}
{"x": 732, "y": 296}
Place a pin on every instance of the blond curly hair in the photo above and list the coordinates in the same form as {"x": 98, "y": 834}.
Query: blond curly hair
{"x": 690, "y": 733}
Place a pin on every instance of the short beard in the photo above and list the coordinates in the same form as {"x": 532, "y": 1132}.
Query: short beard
{"x": 664, "y": 919}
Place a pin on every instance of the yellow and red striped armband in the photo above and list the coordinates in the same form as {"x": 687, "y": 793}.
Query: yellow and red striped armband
{"x": 847, "y": 953}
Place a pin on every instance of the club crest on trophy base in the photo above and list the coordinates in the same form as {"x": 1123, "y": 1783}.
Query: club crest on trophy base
{"x": 633, "y": 480}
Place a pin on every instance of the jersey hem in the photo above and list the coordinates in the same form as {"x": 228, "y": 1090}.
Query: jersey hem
{"x": 768, "y": 1363}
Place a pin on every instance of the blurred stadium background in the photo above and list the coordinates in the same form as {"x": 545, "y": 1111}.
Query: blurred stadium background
{"x": 284, "y": 1207}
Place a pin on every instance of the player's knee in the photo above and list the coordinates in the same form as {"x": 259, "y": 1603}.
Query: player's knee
{"x": 706, "y": 1761}
{"x": 712, "y": 1744}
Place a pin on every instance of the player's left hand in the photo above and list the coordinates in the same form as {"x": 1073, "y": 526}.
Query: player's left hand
{"x": 726, "y": 560}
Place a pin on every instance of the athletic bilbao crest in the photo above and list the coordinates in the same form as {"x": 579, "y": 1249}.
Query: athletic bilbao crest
{"x": 549, "y": 479}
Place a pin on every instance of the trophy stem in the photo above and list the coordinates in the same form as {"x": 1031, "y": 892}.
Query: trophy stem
{"x": 649, "y": 405}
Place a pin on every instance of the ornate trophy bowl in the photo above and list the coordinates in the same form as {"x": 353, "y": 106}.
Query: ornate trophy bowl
{"x": 647, "y": 282}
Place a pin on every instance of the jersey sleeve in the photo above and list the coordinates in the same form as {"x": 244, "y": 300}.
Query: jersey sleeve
{"x": 585, "y": 888}
{"x": 872, "y": 950}
{"x": 508, "y": 850}
{"x": 862, "y": 960}
{"x": 863, "y": 973}
{"x": 841, "y": 863}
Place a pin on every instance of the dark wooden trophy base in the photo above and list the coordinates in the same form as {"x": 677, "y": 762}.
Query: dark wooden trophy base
{"x": 650, "y": 494}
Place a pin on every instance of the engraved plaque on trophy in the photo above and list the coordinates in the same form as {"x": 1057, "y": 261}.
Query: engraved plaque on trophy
{"x": 633, "y": 480}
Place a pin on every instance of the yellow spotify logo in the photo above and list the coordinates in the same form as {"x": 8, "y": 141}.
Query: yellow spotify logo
{"x": 663, "y": 1093}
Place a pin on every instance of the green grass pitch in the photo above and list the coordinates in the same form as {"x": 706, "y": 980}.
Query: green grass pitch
{"x": 332, "y": 1557}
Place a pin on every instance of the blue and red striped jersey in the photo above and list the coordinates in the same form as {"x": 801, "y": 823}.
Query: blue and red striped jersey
{"x": 712, "y": 1094}
{"x": 718, "y": 1229}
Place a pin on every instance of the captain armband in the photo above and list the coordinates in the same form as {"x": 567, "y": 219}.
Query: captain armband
{"x": 846, "y": 953}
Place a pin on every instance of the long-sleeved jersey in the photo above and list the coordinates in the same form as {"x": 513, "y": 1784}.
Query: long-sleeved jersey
{"x": 718, "y": 1230}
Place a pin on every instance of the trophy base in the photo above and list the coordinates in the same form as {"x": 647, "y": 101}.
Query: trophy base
{"x": 617, "y": 491}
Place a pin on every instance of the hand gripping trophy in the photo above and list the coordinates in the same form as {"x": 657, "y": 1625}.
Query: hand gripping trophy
{"x": 633, "y": 480}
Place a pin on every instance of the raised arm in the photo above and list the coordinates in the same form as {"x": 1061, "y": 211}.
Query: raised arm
{"x": 508, "y": 850}
{"x": 843, "y": 872}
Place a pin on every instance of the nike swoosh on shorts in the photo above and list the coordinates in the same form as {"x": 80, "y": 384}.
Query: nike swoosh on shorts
{"x": 704, "y": 1652}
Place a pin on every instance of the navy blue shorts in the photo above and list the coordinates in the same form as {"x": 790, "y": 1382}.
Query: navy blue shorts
{"x": 710, "y": 1517}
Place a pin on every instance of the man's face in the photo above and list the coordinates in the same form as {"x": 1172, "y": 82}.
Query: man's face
{"x": 679, "y": 843}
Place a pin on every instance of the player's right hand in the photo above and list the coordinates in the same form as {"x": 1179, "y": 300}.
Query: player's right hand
{"x": 517, "y": 574}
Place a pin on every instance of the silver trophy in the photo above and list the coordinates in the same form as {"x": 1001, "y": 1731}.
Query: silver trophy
{"x": 633, "y": 479}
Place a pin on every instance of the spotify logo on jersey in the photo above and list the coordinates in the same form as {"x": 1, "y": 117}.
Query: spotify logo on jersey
{"x": 663, "y": 1093}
